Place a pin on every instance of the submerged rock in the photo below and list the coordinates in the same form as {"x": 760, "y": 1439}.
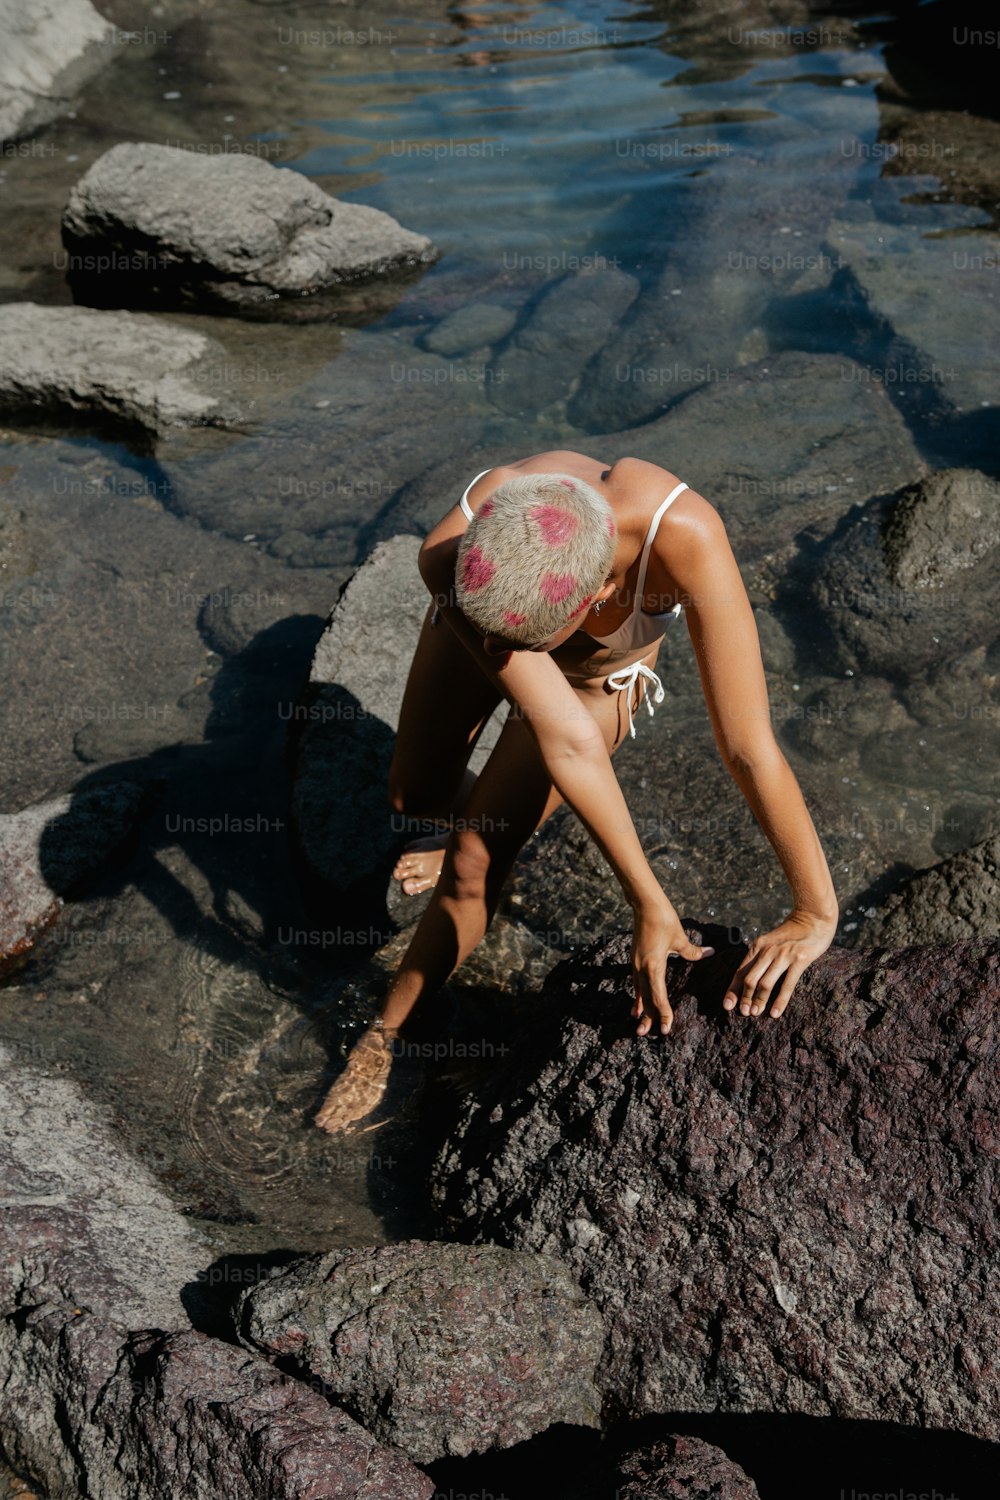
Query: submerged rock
{"x": 129, "y": 367}
{"x": 49, "y": 851}
{"x": 949, "y": 903}
{"x": 910, "y": 579}
{"x": 48, "y": 50}
{"x": 228, "y": 230}
{"x": 937, "y": 358}
{"x": 792, "y": 1215}
{"x": 438, "y": 1349}
{"x": 570, "y": 323}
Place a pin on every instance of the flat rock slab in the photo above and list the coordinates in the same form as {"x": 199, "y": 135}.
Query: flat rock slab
{"x": 794, "y": 1215}
{"x": 438, "y": 1349}
{"x": 129, "y": 367}
{"x": 106, "y": 1389}
{"x": 47, "y": 852}
{"x": 231, "y": 229}
{"x": 48, "y": 50}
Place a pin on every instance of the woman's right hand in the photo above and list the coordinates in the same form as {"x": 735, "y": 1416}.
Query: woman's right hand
{"x": 656, "y": 934}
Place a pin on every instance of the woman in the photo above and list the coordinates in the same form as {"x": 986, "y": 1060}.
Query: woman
{"x": 552, "y": 582}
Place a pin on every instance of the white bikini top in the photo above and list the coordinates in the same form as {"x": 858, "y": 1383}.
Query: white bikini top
{"x": 640, "y": 628}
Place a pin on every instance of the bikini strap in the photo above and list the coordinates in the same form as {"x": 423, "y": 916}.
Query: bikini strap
{"x": 640, "y": 591}
{"x": 464, "y": 503}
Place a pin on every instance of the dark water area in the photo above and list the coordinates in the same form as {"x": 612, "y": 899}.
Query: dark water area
{"x": 161, "y": 600}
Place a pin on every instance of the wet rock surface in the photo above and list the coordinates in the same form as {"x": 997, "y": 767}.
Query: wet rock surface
{"x": 228, "y": 231}
{"x": 908, "y": 580}
{"x": 436, "y": 1349}
{"x": 949, "y": 903}
{"x": 572, "y": 321}
{"x": 127, "y": 368}
{"x": 861, "y": 1122}
{"x": 48, "y": 51}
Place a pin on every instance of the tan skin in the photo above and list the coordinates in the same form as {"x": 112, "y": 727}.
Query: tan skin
{"x": 557, "y": 744}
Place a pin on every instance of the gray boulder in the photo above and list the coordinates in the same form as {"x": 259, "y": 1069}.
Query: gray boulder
{"x": 910, "y": 579}
{"x": 49, "y": 851}
{"x": 941, "y": 526}
{"x": 437, "y": 1349}
{"x": 126, "y": 367}
{"x": 231, "y": 230}
{"x": 48, "y": 50}
{"x": 793, "y": 1215}
{"x": 949, "y": 903}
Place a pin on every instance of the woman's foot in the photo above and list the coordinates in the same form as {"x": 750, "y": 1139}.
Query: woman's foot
{"x": 419, "y": 865}
{"x": 362, "y": 1085}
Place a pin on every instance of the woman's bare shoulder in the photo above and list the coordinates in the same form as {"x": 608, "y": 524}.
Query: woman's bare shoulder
{"x": 651, "y": 484}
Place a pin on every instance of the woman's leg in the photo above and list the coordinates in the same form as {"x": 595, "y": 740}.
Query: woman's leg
{"x": 447, "y": 703}
{"x": 512, "y": 796}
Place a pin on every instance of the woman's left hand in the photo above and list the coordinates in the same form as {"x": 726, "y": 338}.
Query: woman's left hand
{"x": 787, "y": 951}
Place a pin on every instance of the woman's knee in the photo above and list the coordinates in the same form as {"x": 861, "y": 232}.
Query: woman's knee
{"x": 472, "y": 866}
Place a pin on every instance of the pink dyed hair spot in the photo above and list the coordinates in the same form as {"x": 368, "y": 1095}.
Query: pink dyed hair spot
{"x": 557, "y": 526}
{"x": 557, "y": 587}
{"x": 477, "y": 570}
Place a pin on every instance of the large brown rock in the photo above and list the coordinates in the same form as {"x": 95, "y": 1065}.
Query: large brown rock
{"x": 437, "y": 1349}
{"x": 795, "y": 1215}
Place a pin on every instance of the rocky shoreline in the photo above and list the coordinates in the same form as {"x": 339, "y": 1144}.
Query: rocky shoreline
{"x": 564, "y": 1250}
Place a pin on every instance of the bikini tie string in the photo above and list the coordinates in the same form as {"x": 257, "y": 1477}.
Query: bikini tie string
{"x": 627, "y": 678}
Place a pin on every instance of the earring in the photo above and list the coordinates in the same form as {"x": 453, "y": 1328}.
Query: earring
{"x": 599, "y": 606}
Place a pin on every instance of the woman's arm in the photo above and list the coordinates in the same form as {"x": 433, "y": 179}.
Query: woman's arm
{"x": 724, "y": 635}
{"x": 576, "y": 758}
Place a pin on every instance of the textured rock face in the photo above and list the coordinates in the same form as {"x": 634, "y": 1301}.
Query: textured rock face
{"x": 438, "y": 1349}
{"x": 229, "y": 229}
{"x": 795, "y": 1215}
{"x": 910, "y": 580}
{"x": 941, "y": 526}
{"x": 48, "y": 50}
{"x": 682, "y": 1468}
{"x": 46, "y": 851}
{"x": 93, "y": 1402}
{"x": 955, "y": 900}
{"x": 126, "y": 366}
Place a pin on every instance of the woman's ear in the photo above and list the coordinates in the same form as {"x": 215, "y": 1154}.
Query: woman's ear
{"x": 606, "y": 590}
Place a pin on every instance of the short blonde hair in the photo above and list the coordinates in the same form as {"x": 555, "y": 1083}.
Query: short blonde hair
{"x": 534, "y": 555}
